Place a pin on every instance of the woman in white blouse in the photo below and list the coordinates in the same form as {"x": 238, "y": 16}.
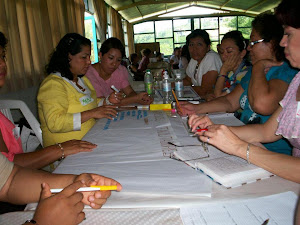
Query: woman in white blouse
{"x": 205, "y": 64}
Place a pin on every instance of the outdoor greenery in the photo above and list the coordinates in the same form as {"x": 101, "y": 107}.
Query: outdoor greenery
{"x": 172, "y": 33}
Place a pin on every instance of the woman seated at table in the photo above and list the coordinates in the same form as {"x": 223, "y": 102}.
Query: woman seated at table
{"x": 10, "y": 140}
{"x": 260, "y": 95}
{"x": 174, "y": 59}
{"x": 283, "y": 123}
{"x": 133, "y": 67}
{"x": 145, "y": 59}
{"x": 184, "y": 57}
{"x": 205, "y": 64}
{"x": 159, "y": 64}
{"x": 233, "y": 51}
{"x": 67, "y": 103}
{"x": 109, "y": 72}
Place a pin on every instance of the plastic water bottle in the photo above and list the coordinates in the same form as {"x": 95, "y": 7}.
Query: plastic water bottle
{"x": 178, "y": 86}
{"x": 148, "y": 79}
{"x": 167, "y": 91}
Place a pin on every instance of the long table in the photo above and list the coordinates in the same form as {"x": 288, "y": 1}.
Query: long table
{"x": 117, "y": 156}
{"x": 136, "y": 154}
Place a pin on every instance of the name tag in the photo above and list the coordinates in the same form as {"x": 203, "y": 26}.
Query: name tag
{"x": 16, "y": 132}
{"x": 85, "y": 100}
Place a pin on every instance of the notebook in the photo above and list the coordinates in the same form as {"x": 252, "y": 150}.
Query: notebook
{"x": 227, "y": 170}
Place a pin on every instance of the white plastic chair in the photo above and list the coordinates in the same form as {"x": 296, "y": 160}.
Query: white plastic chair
{"x": 7, "y": 105}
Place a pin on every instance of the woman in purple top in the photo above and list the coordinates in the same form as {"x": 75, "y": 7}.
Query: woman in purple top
{"x": 284, "y": 123}
{"x": 109, "y": 71}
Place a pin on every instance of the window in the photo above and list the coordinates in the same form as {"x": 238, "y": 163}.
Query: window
{"x": 172, "y": 33}
{"x": 90, "y": 33}
{"x": 163, "y": 29}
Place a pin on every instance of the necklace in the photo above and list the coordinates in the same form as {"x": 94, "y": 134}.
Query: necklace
{"x": 81, "y": 88}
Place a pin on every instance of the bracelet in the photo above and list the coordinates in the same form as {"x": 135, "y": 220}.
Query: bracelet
{"x": 62, "y": 151}
{"x": 31, "y": 221}
{"x": 248, "y": 153}
{"x": 107, "y": 101}
{"x": 225, "y": 76}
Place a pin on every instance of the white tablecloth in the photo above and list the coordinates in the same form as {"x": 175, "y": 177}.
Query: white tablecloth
{"x": 140, "y": 203}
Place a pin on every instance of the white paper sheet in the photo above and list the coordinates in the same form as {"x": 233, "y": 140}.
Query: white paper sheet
{"x": 166, "y": 177}
{"x": 279, "y": 209}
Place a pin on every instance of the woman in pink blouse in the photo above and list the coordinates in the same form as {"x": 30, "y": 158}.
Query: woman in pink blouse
{"x": 284, "y": 123}
{"x": 109, "y": 71}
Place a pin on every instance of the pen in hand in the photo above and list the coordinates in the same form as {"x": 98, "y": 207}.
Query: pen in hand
{"x": 91, "y": 188}
{"x": 265, "y": 222}
{"x": 114, "y": 88}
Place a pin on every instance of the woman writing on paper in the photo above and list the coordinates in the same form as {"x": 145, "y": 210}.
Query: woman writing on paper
{"x": 67, "y": 103}
{"x": 109, "y": 72}
{"x": 285, "y": 122}
{"x": 205, "y": 64}
{"x": 258, "y": 94}
{"x": 20, "y": 185}
{"x": 10, "y": 141}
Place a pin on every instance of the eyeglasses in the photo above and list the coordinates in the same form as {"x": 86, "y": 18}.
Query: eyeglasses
{"x": 252, "y": 43}
{"x": 205, "y": 148}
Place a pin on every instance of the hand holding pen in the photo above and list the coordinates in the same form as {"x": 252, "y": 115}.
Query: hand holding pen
{"x": 195, "y": 122}
{"x": 117, "y": 91}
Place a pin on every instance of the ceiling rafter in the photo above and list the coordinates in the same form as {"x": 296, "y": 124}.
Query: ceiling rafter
{"x": 225, "y": 4}
{"x": 152, "y": 2}
{"x": 255, "y": 5}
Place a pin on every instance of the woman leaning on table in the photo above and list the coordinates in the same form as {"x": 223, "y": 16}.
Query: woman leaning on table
{"x": 233, "y": 52}
{"x": 67, "y": 102}
{"x": 10, "y": 141}
{"x": 260, "y": 91}
{"x": 108, "y": 72}
{"x": 285, "y": 122}
{"x": 204, "y": 66}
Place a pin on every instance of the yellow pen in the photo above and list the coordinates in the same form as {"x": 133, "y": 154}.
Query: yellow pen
{"x": 106, "y": 188}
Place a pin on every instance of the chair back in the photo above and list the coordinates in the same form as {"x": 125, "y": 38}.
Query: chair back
{"x": 7, "y": 105}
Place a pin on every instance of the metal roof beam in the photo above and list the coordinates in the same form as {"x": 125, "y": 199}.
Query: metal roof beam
{"x": 151, "y": 2}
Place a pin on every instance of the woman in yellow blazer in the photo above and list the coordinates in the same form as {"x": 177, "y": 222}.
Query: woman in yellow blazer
{"x": 67, "y": 102}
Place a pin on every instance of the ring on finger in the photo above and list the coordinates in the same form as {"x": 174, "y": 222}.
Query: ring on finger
{"x": 207, "y": 141}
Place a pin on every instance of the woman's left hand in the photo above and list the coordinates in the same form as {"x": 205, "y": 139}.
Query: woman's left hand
{"x": 143, "y": 98}
{"x": 96, "y": 199}
{"x": 74, "y": 146}
{"x": 223, "y": 138}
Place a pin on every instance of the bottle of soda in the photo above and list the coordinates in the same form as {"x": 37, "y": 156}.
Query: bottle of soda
{"x": 148, "y": 80}
{"x": 178, "y": 86}
{"x": 167, "y": 91}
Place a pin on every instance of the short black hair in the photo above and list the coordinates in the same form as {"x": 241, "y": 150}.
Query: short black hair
{"x": 132, "y": 57}
{"x": 112, "y": 43}
{"x": 198, "y": 33}
{"x": 270, "y": 30}
{"x": 287, "y": 13}
{"x": 238, "y": 39}
{"x": 71, "y": 43}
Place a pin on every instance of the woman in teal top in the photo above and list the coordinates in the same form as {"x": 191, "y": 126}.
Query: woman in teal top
{"x": 248, "y": 116}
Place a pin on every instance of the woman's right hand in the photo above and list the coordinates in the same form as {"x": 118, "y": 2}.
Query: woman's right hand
{"x": 186, "y": 108}
{"x": 116, "y": 97}
{"x": 107, "y": 111}
{"x": 74, "y": 146}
